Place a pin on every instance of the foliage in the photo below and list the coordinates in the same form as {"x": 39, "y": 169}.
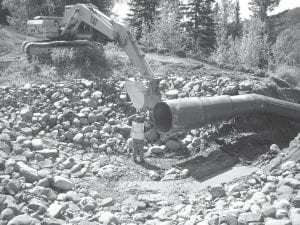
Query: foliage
{"x": 142, "y": 15}
{"x": 289, "y": 74}
{"x": 88, "y": 60}
{"x": 287, "y": 47}
{"x": 251, "y": 50}
{"x": 254, "y": 46}
{"x": 168, "y": 32}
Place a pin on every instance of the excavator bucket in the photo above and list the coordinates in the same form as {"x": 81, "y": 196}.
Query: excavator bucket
{"x": 142, "y": 97}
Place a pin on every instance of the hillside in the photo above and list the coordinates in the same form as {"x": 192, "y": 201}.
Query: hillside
{"x": 285, "y": 20}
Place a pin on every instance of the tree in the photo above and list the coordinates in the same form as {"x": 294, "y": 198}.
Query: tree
{"x": 235, "y": 28}
{"x": 237, "y": 12}
{"x": 223, "y": 16}
{"x": 254, "y": 46}
{"x": 142, "y": 16}
{"x": 3, "y": 14}
{"x": 201, "y": 24}
{"x": 260, "y": 8}
{"x": 168, "y": 30}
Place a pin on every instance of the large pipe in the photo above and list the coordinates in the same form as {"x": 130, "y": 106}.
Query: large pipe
{"x": 189, "y": 113}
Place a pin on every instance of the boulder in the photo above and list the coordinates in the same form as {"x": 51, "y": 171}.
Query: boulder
{"x": 29, "y": 173}
{"x": 62, "y": 183}
{"x": 23, "y": 219}
{"x": 217, "y": 191}
{"x": 37, "y": 144}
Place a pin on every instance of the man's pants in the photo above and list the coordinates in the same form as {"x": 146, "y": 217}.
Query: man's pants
{"x": 138, "y": 148}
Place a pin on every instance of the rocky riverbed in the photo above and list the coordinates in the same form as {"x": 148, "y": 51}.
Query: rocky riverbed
{"x": 64, "y": 151}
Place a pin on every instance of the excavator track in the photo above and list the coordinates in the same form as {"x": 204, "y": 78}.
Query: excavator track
{"x": 44, "y": 48}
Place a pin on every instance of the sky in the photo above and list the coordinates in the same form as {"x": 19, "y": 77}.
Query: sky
{"x": 121, "y": 9}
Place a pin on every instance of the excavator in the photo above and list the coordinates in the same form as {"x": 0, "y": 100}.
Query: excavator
{"x": 76, "y": 28}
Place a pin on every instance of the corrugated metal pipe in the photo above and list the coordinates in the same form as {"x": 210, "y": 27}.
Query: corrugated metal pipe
{"x": 189, "y": 113}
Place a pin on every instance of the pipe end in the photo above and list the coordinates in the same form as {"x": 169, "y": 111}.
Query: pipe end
{"x": 162, "y": 116}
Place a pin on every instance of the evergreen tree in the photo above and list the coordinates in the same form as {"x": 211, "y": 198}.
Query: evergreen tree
{"x": 235, "y": 28}
{"x": 260, "y": 8}
{"x": 237, "y": 12}
{"x": 3, "y": 14}
{"x": 201, "y": 24}
{"x": 142, "y": 15}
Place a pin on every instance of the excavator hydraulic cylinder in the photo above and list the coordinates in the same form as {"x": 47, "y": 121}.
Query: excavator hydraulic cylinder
{"x": 189, "y": 113}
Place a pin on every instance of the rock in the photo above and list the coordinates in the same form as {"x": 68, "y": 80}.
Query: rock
{"x": 78, "y": 138}
{"x": 151, "y": 135}
{"x": 246, "y": 85}
{"x": 185, "y": 173}
{"x": 268, "y": 188}
{"x": 281, "y": 213}
{"x": 62, "y": 183}
{"x": 291, "y": 182}
{"x": 73, "y": 196}
{"x": 26, "y": 111}
{"x": 295, "y": 216}
{"x": 284, "y": 189}
{"x": 269, "y": 212}
{"x": 154, "y": 175}
{"x": 214, "y": 220}
{"x": 37, "y": 144}
{"x": 23, "y": 220}
{"x": 180, "y": 53}
{"x": 29, "y": 173}
{"x": 230, "y": 89}
{"x": 173, "y": 145}
{"x": 296, "y": 201}
{"x": 274, "y": 148}
{"x": 53, "y": 221}
{"x": 107, "y": 202}
{"x": 108, "y": 218}
{"x": 5, "y": 147}
{"x": 47, "y": 153}
{"x": 172, "y": 94}
{"x": 55, "y": 209}
{"x": 157, "y": 149}
{"x": 278, "y": 222}
{"x": 217, "y": 191}
{"x": 288, "y": 165}
{"x": 38, "y": 205}
{"x": 282, "y": 204}
{"x": 12, "y": 187}
{"x": 7, "y": 214}
{"x": 248, "y": 217}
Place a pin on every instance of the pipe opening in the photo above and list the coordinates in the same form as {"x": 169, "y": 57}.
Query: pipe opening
{"x": 162, "y": 117}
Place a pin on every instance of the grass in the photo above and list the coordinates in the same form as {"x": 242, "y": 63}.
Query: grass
{"x": 64, "y": 64}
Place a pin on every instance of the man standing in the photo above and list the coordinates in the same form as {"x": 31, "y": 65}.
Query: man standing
{"x": 137, "y": 134}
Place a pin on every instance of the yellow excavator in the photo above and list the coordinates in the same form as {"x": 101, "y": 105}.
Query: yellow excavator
{"x": 76, "y": 27}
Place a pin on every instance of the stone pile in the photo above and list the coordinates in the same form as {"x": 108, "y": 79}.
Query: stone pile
{"x": 52, "y": 135}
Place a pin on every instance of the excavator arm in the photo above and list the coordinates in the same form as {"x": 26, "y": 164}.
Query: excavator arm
{"x": 142, "y": 97}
